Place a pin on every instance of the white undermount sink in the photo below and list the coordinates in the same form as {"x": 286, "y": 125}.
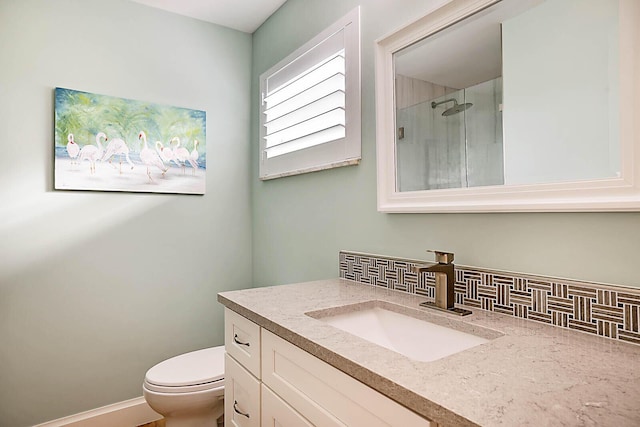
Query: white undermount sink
{"x": 415, "y": 338}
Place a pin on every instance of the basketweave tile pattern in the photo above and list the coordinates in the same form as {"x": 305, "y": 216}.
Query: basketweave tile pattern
{"x": 603, "y": 310}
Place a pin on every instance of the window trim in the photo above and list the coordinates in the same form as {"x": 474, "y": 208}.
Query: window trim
{"x": 340, "y": 152}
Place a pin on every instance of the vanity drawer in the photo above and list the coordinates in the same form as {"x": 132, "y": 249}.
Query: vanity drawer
{"x": 324, "y": 395}
{"x": 241, "y": 396}
{"x": 242, "y": 341}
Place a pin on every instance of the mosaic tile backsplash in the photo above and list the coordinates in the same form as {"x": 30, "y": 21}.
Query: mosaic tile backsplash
{"x": 603, "y": 310}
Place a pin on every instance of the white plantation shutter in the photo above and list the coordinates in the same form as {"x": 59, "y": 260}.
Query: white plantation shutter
{"x": 310, "y": 110}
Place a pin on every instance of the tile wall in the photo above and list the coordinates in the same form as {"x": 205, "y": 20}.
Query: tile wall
{"x": 604, "y": 310}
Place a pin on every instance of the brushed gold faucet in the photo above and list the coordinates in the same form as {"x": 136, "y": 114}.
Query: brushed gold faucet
{"x": 444, "y": 272}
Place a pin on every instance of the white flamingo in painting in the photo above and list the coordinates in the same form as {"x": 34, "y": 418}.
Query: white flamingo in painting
{"x": 166, "y": 153}
{"x": 193, "y": 157}
{"x": 93, "y": 153}
{"x": 181, "y": 153}
{"x": 72, "y": 149}
{"x": 150, "y": 157}
{"x": 117, "y": 147}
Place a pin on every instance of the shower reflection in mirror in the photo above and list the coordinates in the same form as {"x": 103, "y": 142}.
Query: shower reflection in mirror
{"x": 459, "y": 127}
{"x": 451, "y": 140}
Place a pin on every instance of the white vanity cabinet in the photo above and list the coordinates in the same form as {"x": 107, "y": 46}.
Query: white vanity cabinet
{"x": 277, "y": 413}
{"x": 242, "y": 371}
{"x": 241, "y": 396}
{"x": 242, "y": 341}
{"x": 295, "y": 388}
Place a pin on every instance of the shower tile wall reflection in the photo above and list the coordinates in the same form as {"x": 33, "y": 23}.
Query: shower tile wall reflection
{"x": 454, "y": 151}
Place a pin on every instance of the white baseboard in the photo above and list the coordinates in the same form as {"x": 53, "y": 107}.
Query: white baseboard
{"x": 129, "y": 413}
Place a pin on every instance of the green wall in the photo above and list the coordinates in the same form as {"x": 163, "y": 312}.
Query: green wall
{"x": 301, "y": 222}
{"x": 95, "y": 288}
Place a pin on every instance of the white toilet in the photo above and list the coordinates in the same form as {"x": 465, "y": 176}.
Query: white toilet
{"x": 188, "y": 390}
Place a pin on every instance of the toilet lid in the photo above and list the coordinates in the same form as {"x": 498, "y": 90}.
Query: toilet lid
{"x": 197, "y": 367}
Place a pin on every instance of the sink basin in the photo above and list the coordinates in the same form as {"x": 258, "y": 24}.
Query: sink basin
{"x": 419, "y": 339}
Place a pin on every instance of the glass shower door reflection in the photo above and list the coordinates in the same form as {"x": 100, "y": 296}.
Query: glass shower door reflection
{"x": 452, "y": 141}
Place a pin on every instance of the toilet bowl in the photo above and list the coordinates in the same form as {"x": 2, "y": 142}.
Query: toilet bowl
{"x": 188, "y": 390}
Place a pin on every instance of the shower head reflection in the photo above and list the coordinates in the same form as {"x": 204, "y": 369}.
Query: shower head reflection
{"x": 457, "y": 108}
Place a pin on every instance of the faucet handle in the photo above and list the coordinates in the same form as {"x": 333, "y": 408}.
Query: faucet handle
{"x": 442, "y": 257}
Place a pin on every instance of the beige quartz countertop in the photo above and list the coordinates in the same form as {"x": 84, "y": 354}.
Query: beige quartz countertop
{"x": 533, "y": 374}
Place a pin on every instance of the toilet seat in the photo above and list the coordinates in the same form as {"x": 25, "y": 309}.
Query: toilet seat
{"x": 190, "y": 372}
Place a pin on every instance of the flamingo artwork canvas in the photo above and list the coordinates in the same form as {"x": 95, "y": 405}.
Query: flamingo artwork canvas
{"x": 106, "y": 143}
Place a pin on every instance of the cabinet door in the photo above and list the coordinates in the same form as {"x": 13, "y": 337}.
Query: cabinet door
{"x": 241, "y": 396}
{"x": 325, "y": 395}
{"x": 242, "y": 341}
{"x": 276, "y": 412}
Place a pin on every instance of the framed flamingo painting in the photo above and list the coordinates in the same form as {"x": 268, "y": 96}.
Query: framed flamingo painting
{"x": 106, "y": 143}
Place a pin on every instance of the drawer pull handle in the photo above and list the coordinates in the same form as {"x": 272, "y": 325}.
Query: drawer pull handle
{"x": 235, "y": 340}
{"x": 237, "y": 411}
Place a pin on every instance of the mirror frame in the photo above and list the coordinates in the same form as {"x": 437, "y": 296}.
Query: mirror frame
{"x": 602, "y": 195}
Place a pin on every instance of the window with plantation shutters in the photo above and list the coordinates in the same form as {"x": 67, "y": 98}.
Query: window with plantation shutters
{"x": 310, "y": 106}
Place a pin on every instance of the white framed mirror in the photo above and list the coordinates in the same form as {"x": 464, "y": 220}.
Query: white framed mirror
{"x": 511, "y": 105}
